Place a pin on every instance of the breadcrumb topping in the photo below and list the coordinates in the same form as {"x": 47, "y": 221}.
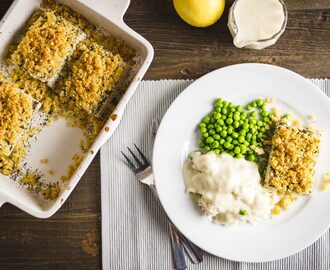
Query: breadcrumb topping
{"x": 46, "y": 45}
{"x": 16, "y": 110}
{"x": 292, "y": 159}
{"x": 92, "y": 73}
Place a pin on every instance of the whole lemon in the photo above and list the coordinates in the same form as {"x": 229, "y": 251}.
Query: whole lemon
{"x": 199, "y": 13}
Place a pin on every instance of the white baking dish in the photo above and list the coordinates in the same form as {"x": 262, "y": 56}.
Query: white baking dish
{"x": 59, "y": 142}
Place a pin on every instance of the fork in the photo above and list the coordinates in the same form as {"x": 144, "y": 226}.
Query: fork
{"x": 143, "y": 171}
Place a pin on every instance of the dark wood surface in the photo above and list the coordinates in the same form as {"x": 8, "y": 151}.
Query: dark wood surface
{"x": 181, "y": 51}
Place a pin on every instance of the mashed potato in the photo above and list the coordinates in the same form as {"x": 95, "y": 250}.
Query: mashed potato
{"x": 227, "y": 189}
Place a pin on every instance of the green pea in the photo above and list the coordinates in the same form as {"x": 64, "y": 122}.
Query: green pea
{"x": 237, "y": 150}
{"x": 236, "y": 124}
{"x": 205, "y": 135}
{"x": 266, "y": 119}
{"x": 230, "y": 104}
{"x": 264, "y": 113}
{"x": 217, "y": 151}
{"x": 222, "y": 141}
{"x": 241, "y": 122}
{"x": 218, "y": 109}
{"x": 224, "y": 110}
{"x": 232, "y": 153}
{"x": 235, "y": 135}
{"x": 236, "y": 117}
{"x": 211, "y": 131}
{"x": 243, "y": 149}
{"x": 254, "y": 104}
{"x": 217, "y": 116}
{"x": 248, "y": 136}
{"x": 220, "y": 122}
{"x": 231, "y": 147}
{"x": 201, "y": 144}
{"x": 242, "y": 132}
{"x": 215, "y": 144}
{"x": 243, "y": 212}
{"x": 235, "y": 142}
{"x": 230, "y": 130}
{"x": 253, "y": 130}
{"x": 206, "y": 119}
{"x": 201, "y": 125}
{"x": 218, "y": 129}
{"x": 229, "y": 121}
{"x": 209, "y": 140}
{"x": 243, "y": 115}
{"x": 219, "y": 100}
{"x": 252, "y": 121}
{"x": 223, "y": 117}
{"x": 260, "y": 135}
{"x": 241, "y": 139}
{"x": 227, "y": 145}
{"x": 216, "y": 137}
{"x": 263, "y": 107}
{"x": 251, "y": 157}
{"x": 203, "y": 130}
{"x": 246, "y": 126}
{"x": 263, "y": 130}
{"x": 210, "y": 126}
{"x": 223, "y": 133}
{"x": 260, "y": 123}
{"x": 207, "y": 148}
{"x": 254, "y": 137}
{"x": 229, "y": 139}
{"x": 254, "y": 114}
{"x": 249, "y": 108}
{"x": 260, "y": 102}
{"x": 239, "y": 108}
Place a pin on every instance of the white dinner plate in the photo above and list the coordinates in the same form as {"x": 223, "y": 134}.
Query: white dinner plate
{"x": 285, "y": 234}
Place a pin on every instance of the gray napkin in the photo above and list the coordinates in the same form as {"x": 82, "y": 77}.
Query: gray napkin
{"x": 134, "y": 228}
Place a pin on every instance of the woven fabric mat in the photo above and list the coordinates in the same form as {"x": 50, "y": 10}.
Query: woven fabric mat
{"x": 134, "y": 228}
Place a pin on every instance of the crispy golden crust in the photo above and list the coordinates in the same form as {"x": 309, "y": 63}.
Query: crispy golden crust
{"x": 46, "y": 45}
{"x": 92, "y": 73}
{"x": 16, "y": 111}
{"x": 292, "y": 159}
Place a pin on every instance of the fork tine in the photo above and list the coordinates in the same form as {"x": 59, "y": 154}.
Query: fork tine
{"x": 145, "y": 160}
{"x": 130, "y": 163}
{"x": 135, "y": 157}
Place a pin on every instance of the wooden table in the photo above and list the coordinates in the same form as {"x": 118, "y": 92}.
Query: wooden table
{"x": 70, "y": 239}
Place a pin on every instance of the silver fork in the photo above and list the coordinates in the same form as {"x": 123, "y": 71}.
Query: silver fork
{"x": 143, "y": 171}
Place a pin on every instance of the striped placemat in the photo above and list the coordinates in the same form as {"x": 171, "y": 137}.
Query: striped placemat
{"x": 134, "y": 230}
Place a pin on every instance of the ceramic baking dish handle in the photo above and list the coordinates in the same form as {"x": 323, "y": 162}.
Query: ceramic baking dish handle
{"x": 112, "y": 9}
{"x": 118, "y": 8}
{"x": 2, "y": 200}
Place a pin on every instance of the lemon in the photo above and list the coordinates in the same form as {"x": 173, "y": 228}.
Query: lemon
{"x": 199, "y": 13}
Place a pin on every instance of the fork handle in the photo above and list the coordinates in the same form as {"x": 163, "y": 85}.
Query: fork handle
{"x": 177, "y": 248}
{"x": 192, "y": 251}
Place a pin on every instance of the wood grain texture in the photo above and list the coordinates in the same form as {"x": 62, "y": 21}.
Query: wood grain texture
{"x": 181, "y": 51}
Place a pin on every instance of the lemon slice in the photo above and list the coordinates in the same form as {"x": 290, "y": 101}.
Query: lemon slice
{"x": 199, "y": 13}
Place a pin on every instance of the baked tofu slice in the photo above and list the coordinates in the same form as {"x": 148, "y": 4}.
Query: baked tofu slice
{"x": 16, "y": 112}
{"x": 292, "y": 159}
{"x": 48, "y": 42}
{"x": 93, "y": 73}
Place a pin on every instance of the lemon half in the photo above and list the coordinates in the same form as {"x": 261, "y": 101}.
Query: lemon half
{"x": 199, "y": 13}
